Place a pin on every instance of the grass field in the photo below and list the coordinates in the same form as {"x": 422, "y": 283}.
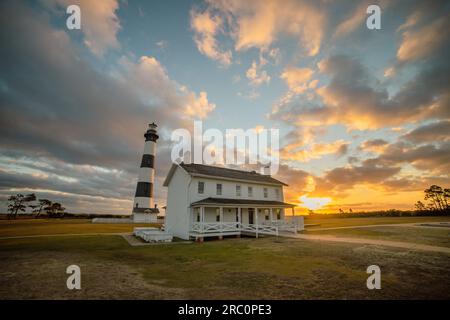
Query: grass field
{"x": 324, "y": 222}
{"x": 430, "y": 236}
{"x": 28, "y": 227}
{"x": 269, "y": 268}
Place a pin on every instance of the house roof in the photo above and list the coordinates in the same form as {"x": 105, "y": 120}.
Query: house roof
{"x": 245, "y": 202}
{"x": 202, "y": 170}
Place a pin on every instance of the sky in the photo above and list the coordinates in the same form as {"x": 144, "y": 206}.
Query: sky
{"x": 364, "y": 115}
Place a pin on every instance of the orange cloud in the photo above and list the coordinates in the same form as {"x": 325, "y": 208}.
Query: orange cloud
{"x": 206, "y": 28}
{"x": 316, "y": 151}
{"x": 256, "y": 24}
{"x": 420, "y": 43}
{"x": 257, "y": 76}
{"x": 297, "y": 78}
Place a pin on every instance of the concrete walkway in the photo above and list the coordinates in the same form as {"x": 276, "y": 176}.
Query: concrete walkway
{"x": 387, "y": 243}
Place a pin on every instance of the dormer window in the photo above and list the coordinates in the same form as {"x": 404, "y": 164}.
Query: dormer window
{"x": 201, "y": 187}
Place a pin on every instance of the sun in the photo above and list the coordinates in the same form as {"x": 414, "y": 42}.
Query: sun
{"x": 314, "y": 203}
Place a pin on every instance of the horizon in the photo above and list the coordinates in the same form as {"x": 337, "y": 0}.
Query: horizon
{"x": 363, "y": 115}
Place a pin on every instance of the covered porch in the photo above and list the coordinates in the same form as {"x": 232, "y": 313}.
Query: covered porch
{"x": 218, "y": 217}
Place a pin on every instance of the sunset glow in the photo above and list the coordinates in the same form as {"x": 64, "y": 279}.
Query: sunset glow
{"x": 314, "y": 203}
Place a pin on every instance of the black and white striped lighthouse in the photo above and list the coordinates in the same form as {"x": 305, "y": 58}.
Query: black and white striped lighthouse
{"x": 143, "y": 198}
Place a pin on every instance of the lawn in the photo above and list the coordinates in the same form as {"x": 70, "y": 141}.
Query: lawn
{"x": 247, "y": 268}
{"x": 324, "y": 222}
{"x": 431, "y": 236}
{"x": 28, "y": 227}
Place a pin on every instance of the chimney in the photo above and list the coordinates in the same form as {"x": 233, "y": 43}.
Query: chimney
{"x": 143, "y": 198}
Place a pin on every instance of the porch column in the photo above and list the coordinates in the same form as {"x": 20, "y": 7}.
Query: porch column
{"x": 293, "y": 211}
{"x": 202, "y": 219}
{"x": 256, "y": 221}
{"x": 221, "y": 218}
{"x": 271, "y": 215}
{"x": 239, "y": 221}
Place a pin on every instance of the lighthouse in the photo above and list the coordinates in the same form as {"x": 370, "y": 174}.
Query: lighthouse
{"x": 144, "y": 209}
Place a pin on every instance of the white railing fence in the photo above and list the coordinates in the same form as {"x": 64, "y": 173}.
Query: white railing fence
{"x": 223, "y": 227}
{"x": 211, "y": 227}
{"x": 287, "y": 226}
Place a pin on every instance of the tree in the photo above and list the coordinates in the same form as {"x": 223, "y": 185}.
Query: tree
{"x": 420, "y": 206}
{"x": 55, "y": 209}
{"x": 447, "y": 198}
{"x": 17, "y": 203}
{"x": 436, "y": 195}
{"x": 37, "y": 208}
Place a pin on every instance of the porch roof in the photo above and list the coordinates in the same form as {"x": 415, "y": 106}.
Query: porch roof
{"x": 241, "y": 202}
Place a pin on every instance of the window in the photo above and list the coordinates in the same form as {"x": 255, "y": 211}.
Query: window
{"x": 238, "y": 191}
{"x": 266, "y": 193}
{"x": 219, "y": 189}
{"x": 277, "y": 194}
{"x": 266, "y": 214}
{"x": 250, "y": 191}
{"x": 201, "y": 187}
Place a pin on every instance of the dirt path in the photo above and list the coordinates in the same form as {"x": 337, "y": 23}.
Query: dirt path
{"x": 414, "y": 225}
{"x": 387, "y": 243}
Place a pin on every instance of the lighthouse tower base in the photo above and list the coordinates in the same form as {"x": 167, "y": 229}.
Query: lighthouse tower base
{"x": 145, "y": 217}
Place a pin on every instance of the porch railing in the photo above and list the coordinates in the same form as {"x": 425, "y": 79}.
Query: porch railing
{"x": 288, "y": 226}
{"x": 211, "y": 227}
{"x": 224, "y": 227}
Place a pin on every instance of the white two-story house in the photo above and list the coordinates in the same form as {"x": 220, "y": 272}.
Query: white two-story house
{"x": 208, "y": 201}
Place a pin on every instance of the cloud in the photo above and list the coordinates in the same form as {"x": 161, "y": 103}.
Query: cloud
{"x": 429, "y": 158}
{"x": 374, "y": 145}
{"x": 315, "y": 151}
{"x": 150, "y": 81}
{"x": 206, "y": 28}
{"x": 99, "y": 22}
{"x": 256, "y": 24}
{"x": 297, "y": 78}
{"x": 347, "y": 177}
{"x": 433, "y": 132}
{"x": 355, "y": 98}
{"x": 420, "y": 43}
{"x": 257, "y": 76}
{"x": 352, "y": 22}
{"x": 357, "y": 18}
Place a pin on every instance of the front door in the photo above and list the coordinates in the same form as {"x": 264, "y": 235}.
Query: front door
{"x": 250, "y": 216}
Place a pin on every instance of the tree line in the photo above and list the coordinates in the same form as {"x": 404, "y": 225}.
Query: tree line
{"x": 19, "y": 203}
